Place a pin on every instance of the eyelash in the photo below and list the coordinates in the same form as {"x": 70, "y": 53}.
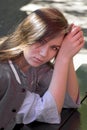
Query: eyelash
{"x": 55, "y": 48}
{"x": 42, "y": 42}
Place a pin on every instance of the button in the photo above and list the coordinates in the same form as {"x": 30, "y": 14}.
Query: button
{"x": 18, "y": 126}
{"x": 23, "y": 90}
{"x": 1, "y": 128}
{"x": 13, "y": 110}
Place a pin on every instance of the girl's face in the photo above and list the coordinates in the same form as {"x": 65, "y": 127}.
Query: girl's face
{"x": 40, "y": 53}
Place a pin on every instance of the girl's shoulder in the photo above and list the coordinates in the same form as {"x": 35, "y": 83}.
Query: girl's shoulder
{"x": 5, "y": 77}
{"x": 4, "y": 69}
{"x": 4, "y": 65}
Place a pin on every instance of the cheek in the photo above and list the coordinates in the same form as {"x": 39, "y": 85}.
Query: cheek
{"x": 26, "y": 53}
{"x": 29, "y": 53}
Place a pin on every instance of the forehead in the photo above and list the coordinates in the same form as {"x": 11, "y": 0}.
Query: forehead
{"x": 55, "y": 41}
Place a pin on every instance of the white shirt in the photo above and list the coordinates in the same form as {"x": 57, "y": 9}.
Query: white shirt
{"x": 38, "y": 108}
{"x": 42, "y": 109}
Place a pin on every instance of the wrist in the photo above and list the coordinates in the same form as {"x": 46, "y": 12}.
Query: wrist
{"x": 63, "y": 59}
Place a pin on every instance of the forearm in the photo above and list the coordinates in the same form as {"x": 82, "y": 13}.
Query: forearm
{"x": 59, "y": 81}
{"x": 72, "y": 83}
{"x": 64, "y": 74}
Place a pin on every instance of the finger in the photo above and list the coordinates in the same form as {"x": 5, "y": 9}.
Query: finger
{"x": 79, "y": 47}
{"x": 80, "y": 41}
{"x": 78, "y": 36}
{"x": 75, "y": 30}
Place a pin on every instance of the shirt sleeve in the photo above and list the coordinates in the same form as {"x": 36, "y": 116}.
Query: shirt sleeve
{"x": 38, "y": 108}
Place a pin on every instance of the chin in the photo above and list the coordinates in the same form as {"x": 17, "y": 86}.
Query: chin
{"x": 34, "y": 65}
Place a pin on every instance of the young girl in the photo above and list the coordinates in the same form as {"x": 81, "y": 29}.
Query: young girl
{"x": 31, "y": 87}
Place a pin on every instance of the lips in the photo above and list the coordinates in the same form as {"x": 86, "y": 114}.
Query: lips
{"x": 37, "y": 60}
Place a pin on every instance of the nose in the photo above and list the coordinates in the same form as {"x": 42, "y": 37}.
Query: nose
{"x": 44, "y": 51}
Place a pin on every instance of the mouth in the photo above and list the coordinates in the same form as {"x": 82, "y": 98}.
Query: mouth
{"x": 37, "y": 60}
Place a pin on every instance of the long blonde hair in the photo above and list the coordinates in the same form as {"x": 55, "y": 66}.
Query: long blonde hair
{"x": 40, "y": 24}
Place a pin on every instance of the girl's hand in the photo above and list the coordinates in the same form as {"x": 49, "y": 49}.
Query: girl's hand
{"x": 72, "y": 42}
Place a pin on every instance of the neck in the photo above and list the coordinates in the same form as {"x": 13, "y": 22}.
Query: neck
{"x": 22, "y": 63}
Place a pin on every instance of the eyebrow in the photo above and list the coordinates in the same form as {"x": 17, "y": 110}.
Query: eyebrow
{"x": 57, "y": 46}
{"x": 45, "y": 41}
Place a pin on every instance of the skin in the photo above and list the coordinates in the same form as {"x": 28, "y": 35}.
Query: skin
{"x": 62, "y": 78}
{"x": 42, "y": 52}
{"x": 65, "y": 48}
